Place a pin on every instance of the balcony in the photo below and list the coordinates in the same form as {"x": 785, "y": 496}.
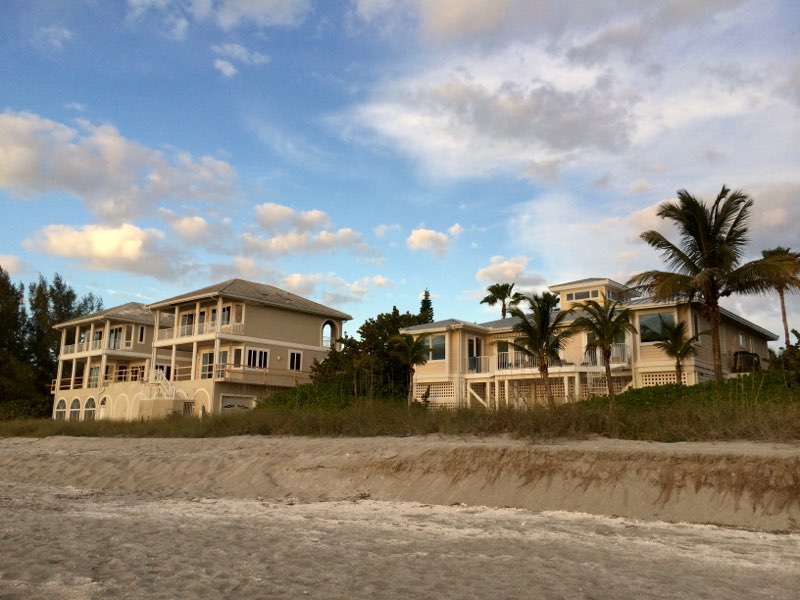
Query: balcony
{"x": 224, "y": 372}
{"x": 96, "y": 345}
{"x": 517, "y": 361}
{"x": 79, "y": 382}
{"x": 183, "y": 331}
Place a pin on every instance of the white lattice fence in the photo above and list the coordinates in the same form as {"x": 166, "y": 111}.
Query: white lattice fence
{"x": 650, "y": 379}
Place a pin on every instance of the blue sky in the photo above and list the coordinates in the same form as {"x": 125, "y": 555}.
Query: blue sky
{"x": 358, "y": 152}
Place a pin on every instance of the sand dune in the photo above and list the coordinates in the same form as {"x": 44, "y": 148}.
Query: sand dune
{"x": 431, "y": 517}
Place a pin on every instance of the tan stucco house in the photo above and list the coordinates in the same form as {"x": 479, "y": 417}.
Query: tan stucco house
{"x": 474, "y": 365}
{"x": 208, "y": 351}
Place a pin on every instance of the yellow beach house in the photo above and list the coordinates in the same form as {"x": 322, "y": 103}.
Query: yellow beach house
{"x": 474, "y": 364}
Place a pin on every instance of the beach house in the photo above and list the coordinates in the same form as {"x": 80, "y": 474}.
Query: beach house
{"x": 208, "y": 351}
{"x": 473, "y": 364}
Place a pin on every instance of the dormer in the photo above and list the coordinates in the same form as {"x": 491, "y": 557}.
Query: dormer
{"x": 593, "y": 288}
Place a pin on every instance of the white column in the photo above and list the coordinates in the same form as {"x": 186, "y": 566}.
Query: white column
{"x": 72, "y": 374}
{"x": 196, "y": 317}
{"x": 172, "y": 363}
{"x": 219, "y": 313}
{"x": 194, "y": 361}
{"x": 87, "y": 370}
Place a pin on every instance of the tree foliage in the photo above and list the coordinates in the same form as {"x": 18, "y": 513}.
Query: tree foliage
{"x": 426, "y": 308}
{"x": 503, "y": 294}
{"x": 784, "y": 278}
{"x": 543, "y": 333}
{"x": 706, "y": 262}
{"x": 605, "y": 323}
{"x": 369, "y": 365}
{"x": 676, "y": 344}
{"x": 28, "y": 343}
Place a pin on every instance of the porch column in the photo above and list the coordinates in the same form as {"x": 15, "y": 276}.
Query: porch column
{"x": 577, "y": 386}
{"x": 219, "y": 313}
{"x": 77, "y": 337}
{"x": 175, "y": 331}
{"x": 196, "y": 317}
{"x": 106, "y": 333}
{"x": 173, "y": 375}
{"x": 194, "y": 361}
{"x": 565, "y": 379}
{"x": 216, "y": 356}
{"x": 87, "y": 371}
{"x": 91, "y": 335}
{"x": 72, "y": 375}
{"x": 505, "y": 383}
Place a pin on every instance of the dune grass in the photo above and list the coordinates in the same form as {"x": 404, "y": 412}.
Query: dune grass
{"x": 757, "y": 407}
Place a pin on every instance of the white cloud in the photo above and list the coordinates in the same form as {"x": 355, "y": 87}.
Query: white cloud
{"x": 429, "y": 240}
{"x": 509, "y": 270}
{"x": 240, "y": 54}
{"x": 226, "y": 14}
{"x": 11, "y": 263}
{"x": 224, "y": 67}
{"x": 272, "y": 217}
{"x": 331, "y": 288}
{"x": 53, "y": 38}
{"x": 191, "y": 228}
{"x": 381, "y": 230}
{"x": 304, "y": 242}
{"x": 116, "y": 178}
{"x": 99, "y": 248}
{"x": 455, "y": 230}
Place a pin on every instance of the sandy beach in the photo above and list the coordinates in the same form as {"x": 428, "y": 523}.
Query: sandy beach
{"x": 430, "y": 517}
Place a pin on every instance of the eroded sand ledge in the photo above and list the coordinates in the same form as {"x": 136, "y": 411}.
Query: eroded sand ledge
{"x": 739, "y": 484}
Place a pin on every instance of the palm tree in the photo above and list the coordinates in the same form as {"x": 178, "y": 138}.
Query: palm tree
{"x": 706, "y": 262}
{"x": 543, "y": 332}
{"x": 410, "y": 351}
{"x": 605, "y": 324}
{"x": 787, "y": 279}
{"x": 675, "y": 344}
{"x": 504, "y": 294}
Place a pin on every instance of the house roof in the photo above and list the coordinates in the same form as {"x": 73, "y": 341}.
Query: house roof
{"x": 443, "y": 324}
{"x": 253, "y": 293}
{"x": 132, "y": 312}
{"x": 578, "y": 282}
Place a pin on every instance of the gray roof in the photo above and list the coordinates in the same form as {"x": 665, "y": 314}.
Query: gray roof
{"x": 254, "y": 293}
{"x": 132, "y": 312}
{"x": 501, "y": 323}
{"x": 587, "y": 280}
{"x": 443, "y": 324}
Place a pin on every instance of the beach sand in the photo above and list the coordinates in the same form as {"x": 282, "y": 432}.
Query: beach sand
{"x": 423, "y": 517}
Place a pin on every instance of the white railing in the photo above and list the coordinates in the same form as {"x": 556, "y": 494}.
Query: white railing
{"x": 165, "y": 334}
{"x": 512, "y": 361}
{"x": 159, "y": 386}
{"x": 234, "y": 328}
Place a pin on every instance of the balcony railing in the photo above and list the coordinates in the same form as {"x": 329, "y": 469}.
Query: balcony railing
{"x": 113, "y": 344}
{"x": 513, "y": 361}
{"x": 223, "y": 372}
{"x": 169, "y": 333}
{"x": 126, "y": 375}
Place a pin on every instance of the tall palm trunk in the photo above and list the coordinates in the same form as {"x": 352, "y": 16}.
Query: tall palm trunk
{"x": 609, "y": 378}
{"x": 715, "y": 319}
{"x": 783, "y": 317}
{"x": 678, "y": 372}
{"x": 546, "y": 377}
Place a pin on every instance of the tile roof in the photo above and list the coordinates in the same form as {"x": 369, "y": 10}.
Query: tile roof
{"x": 254, "y": 293}
{"x": 132, "y": 312}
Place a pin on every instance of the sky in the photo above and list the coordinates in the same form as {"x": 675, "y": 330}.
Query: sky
{"x": 358, "y": 152}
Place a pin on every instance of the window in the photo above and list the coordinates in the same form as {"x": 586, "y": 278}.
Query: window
{"x": 595, "y": 293}
{"x": 237, "y": 357}
{"x": 167, "y": 370}
{"x": 257, "y": 359}
{"x": 225, "y": 315}
{"x": 61, "y": 410}
{"x": 581, "y": 295}
{"x": 651, "y": 327}
{"x": 94, "y": 377}
{"x": 570, "y": 297}
{"x": 437, "y": 347}
{"x": 75, "y": 410}
{"x": 295, "y": 361}
{"x": 188, "y": 409}
{"x": 187, "y": 324}
{"x": 122, "y": 373}
{"x": 115, "y": 338}
{"x": 88, "y": 411}
{"x": 141, "y": 334}
{"x": 206, "y": 365}
{"x": 238, "y": 313}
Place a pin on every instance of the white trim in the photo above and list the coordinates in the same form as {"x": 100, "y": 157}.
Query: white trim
{"x": 289, "y": 362}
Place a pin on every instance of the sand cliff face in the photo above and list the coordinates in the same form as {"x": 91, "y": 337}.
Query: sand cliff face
{"x": 746, "y": 485}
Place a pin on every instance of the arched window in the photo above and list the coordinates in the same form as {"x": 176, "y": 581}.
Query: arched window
{"x": 88, "y": 410}
{"x": 329, "y": 334}
{"x": 75, "y": 410}
{"x": 61, "y": 410}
